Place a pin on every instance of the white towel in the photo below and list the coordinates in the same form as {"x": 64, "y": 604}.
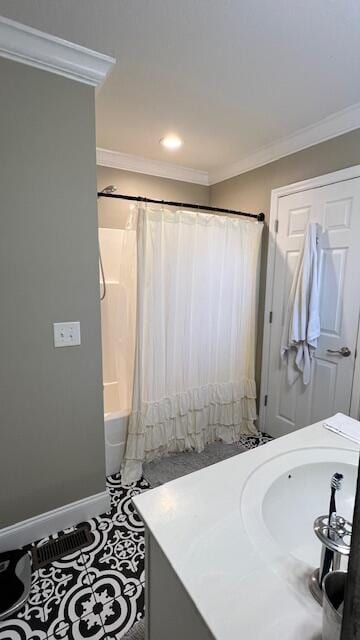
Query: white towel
{"x": 302, "y": 322}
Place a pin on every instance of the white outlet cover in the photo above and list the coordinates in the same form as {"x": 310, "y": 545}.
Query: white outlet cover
{"x": 67, "y": 334}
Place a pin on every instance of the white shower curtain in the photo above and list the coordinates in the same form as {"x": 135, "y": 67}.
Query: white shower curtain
{"x": 195, "y": 339}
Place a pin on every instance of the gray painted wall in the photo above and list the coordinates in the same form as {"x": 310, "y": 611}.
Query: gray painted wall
{"x": 51, "y": 412}
{"x": 251, "y": 191}
{"x": 139, "y": 184}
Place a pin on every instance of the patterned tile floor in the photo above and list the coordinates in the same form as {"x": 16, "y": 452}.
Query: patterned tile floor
{"x": 251, "y": 442}
{"x": 96, "y": 593}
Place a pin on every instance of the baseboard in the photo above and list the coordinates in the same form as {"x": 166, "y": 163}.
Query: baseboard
{"x": 27, "y": 531}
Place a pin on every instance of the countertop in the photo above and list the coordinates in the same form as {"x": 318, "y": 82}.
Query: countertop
{"x": 197, "y": 522}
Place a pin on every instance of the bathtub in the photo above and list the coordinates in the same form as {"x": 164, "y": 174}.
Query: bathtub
{"x": 115, "y": 425}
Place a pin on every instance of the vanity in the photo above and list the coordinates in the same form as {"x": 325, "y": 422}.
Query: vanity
{"x": 230, "y": 548}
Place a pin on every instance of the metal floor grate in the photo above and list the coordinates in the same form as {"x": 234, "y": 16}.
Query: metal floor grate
{"x": 57, "y": 548}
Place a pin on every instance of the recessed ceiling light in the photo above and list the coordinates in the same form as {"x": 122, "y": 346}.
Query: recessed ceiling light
{"x": 171, "y": 142}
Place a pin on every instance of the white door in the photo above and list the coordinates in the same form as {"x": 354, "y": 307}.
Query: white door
{"x": 336, "y": 209}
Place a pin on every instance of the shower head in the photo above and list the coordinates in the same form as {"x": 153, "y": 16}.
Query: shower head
{"x": 109, "y": 189}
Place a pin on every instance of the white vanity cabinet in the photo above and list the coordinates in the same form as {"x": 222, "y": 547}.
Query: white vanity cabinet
{"x": 170, "y": 612}
{"x": 230, "y": 548}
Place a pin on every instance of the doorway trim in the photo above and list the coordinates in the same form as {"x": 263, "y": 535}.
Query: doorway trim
{"x": 319, "y": 181}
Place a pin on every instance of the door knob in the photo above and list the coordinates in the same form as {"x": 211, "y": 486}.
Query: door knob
{"x": 344, "y": 351}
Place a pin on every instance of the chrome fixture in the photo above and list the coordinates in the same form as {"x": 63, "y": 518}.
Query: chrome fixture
{"x": 333, "y": 604}
{"x": 344, "y": 351}
{"x": 109, "y": 189}
{"x": 335, "y": 537}
{"x": 334, "y": 533}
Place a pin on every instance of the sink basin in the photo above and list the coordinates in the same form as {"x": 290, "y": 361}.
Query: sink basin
{"x": 281, "y": 500}
{"x": 297, "y": 497}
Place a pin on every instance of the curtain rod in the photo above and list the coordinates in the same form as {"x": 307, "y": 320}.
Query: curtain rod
{"x": 260, "y": 217}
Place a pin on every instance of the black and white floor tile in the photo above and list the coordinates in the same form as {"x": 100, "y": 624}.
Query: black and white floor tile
{"x": 96, "y": 593}
{"x": 251, "y": 442}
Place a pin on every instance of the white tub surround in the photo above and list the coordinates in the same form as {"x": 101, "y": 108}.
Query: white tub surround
{"x": 118, "y": 315}
{"x": 230, "y": 547}
{"x": 118, "y": 311}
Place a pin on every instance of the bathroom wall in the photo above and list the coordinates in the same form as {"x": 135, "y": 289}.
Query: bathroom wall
{"x": 251, "y": 191}
{"x": 139, "y": 184}
{"x": 51, "y": 411}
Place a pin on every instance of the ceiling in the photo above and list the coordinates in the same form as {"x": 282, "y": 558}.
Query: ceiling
{"x": 229, "y": 76}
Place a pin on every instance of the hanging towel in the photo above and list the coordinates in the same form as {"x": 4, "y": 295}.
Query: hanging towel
{"x": 302, "y": 322}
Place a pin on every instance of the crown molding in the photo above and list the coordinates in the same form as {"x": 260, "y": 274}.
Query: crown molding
{"x": 128, "y": 162}
{"x": 41, "y": 50}
{"x": 330, "y": 127}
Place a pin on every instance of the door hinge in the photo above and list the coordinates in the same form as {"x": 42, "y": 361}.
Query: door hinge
{"x": 270, "y": 317}
{"x": 276, "y": 226}
{"x": 265, "y": 401}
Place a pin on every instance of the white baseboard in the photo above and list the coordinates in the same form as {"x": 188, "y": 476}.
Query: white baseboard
{"x": 27, "y": 531}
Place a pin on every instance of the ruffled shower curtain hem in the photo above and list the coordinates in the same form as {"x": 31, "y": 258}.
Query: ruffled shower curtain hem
{"x": 188, "y": 421}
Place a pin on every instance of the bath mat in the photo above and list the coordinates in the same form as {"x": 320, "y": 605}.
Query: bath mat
{"x": 180, "y": 464}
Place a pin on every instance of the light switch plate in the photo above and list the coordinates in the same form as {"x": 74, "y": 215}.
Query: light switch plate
{"x": 67, "y": 334}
